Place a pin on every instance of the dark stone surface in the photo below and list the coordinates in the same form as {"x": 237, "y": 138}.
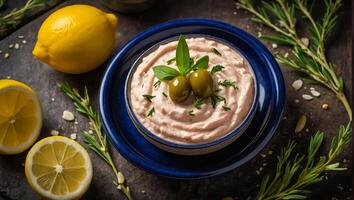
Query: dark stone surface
{"x": 240, "y": 183}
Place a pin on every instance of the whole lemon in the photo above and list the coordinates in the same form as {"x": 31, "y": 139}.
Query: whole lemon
{"x": 76, "y": 39}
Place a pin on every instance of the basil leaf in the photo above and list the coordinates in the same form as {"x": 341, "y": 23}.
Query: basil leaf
{"x": 202, "y": 63}
{"x": 182, "y": 55}
{"x": 163, "y": 72}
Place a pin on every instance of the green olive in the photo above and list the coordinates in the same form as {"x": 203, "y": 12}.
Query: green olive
{"x": 179, "y": 89}
{"x": 201, "y": 83}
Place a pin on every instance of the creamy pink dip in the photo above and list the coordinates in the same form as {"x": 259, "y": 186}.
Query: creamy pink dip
{"x": 170, "y": 120}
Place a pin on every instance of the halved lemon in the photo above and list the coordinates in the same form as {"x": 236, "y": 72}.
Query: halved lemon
{"x": 58, "y": 168}
{"x": 20, "y": 117}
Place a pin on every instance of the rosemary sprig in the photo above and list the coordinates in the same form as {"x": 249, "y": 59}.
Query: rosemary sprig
{"x": 226, "y": 108}
{"x": 198, "y": 103}
{"x": 294, "y": 173}
{"x": 190, "y": 113}
{"x": 215, "y": 51}
{"x": 15, "y": 16}
{"x": 310, "y": 58}
{"x": 150, "y": 112}
{"x": 98, "y": 142}
{"x": 214, "y": 98}
{"x": 148, "y": 97}
{"x": 216, "y": 68}
{"x": 228, "y": 83}
{"x": 157, "y": 83}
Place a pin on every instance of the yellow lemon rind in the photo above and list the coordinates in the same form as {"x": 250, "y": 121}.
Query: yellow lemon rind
{"x": 6, "y": 85}
{"x": 46, "y": 194}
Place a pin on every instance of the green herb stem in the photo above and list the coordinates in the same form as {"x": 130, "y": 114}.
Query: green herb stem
{"x": 310, "y": 59}
{"x": 98, "y": 142}
{"x": 15, "y": 16}
{"x": 291, "y": 177}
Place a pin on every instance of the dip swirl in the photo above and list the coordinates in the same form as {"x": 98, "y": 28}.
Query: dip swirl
{"x": 170, "y": 120}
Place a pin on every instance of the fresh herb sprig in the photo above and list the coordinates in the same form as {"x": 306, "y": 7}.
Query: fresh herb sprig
{"x": 98, "y": 142}
{"x": 198, "y": 103}
{"x": 15, "y": 16}
{"x": 228, "y": 83}
{"x": 295, "y": 172}
{"x": 216, "y": 68}
{"x": 148, "y": 97}
{"x": 151, "y": 112}
{"x": 184, "y": 62}
{"x": 215, "y": 51}
{"x": 309, "y": 57}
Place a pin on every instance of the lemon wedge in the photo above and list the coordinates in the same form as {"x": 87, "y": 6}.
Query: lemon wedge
{"x": 58, "y": 168}
{"x": 20, "y": 117}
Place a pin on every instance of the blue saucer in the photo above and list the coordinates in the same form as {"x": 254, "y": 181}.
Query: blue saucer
{"x": 135, "y": 148}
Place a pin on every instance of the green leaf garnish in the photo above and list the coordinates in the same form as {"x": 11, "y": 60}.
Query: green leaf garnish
{"x": 227, "y": 84}
{"x": 170, "y": 61}
{"x": 226, "y": 108}
{"x": 216, "y": 51}
{"x": 191, "y": 62}
{"x": 148, "y": 97}
{"x": 182, "y": 55}
{"x": 190, "y": 113}
{"x": 202, "y": 63}
{"x": 198, "y": 103}
{"x": 216, "y": 99}
{"x": 151, "y": 112}
{"x": 216, "y": 68}
{"x": 163, "y": 72}
{"x": 157, "y": 83}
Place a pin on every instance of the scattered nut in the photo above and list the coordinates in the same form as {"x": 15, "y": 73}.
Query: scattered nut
{"x": 20, "y": 37}
{"x": 300, "y": 124}
{"x": 307, "y": 97}
{"x": 7, "y": 55}
{"x": 54, "y": 132}
{"x": 10, "y": 46}
{"x": 17, "y": 46}
{"x": 274, "y": 46}
{"x": 297, "y": 84}
{"x": 315, "y": 93}
{"x": 325, "y": 106}
{"x": 73, "y": 136}
{"x": 24, "y": 41}
{"x": 68, "y": 116}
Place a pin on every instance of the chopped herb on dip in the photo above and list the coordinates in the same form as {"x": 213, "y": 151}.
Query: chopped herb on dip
{"x": 216, "y": 68}
{"x": 151, "y": 112}
{"x": 148, "y": 97}
{"x": 216, "y": 51}
{"x": 228, "y": 83}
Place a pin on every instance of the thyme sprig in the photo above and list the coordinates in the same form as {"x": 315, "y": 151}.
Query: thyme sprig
{"x": 309, "y": 57}
{"x": 228, "y": 83}
{"x": 295, "y": 172}
{"x": 15, "y": 16}
{"x": 95, "y": 138}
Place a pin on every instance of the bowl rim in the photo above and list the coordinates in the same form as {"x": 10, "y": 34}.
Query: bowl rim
{"x": 235, "y": 132}
{"x": 136, "y": 158}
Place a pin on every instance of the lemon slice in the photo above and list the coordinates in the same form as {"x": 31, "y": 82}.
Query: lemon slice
{"x": 20, "y": 117}
{"x": 58, "y": 168}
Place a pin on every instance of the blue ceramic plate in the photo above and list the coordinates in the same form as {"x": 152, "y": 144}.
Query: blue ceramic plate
{"x": 135, "y": 148}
